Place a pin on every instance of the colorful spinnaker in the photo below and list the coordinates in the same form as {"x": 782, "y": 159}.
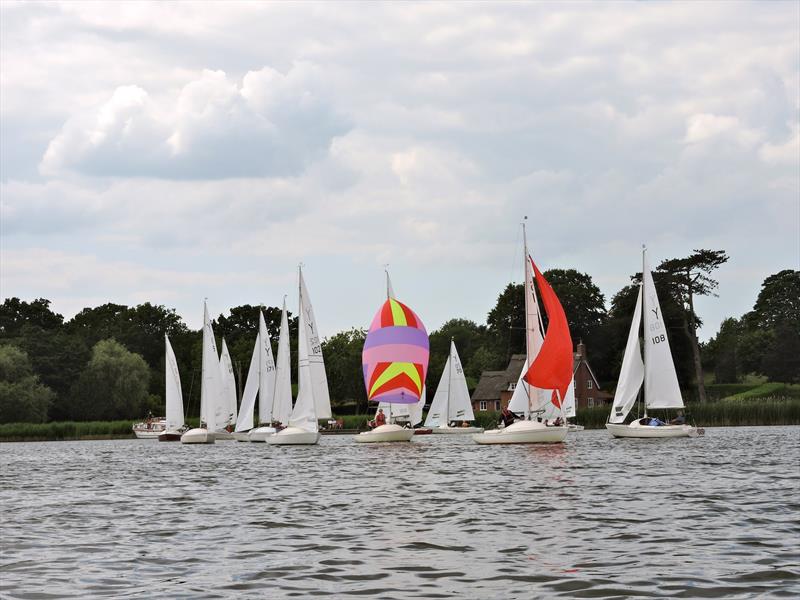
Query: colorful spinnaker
{"x": 395, "y": 356}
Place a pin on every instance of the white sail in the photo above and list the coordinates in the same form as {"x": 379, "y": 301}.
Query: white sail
{"x": 411, "y": 413}
{"x": 282, "y": 398}
{"x": 451, "y": 401}
{"x": 226, "y": 408}
{"x": 389, "y": 288}
{"x": 519, "y": 399}
{"x": 631, "y": 374}
{"x": 661, "y": 388}
{"x": 210, "y": 388}
{"x": 319, "y": 380}
{"x": 304, "y": 413}
{"x": 244, "y": 422}
{"x": 266, "y": 374}
{"x": 415, "y": 410}
{"x": 173, "y": 394}
{"x": 569, "y": 400}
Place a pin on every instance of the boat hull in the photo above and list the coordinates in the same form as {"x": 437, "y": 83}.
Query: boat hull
{"x": 385, "y": 433}
{"x": 170, "y": 436}
{"x": 452, "y": 430}
{"x": 148, "y": 435}
{"x": 293, "y": 436}
{"x": 572, "y": 427}
{"x": 423, "y": 431}
{"x": 634, "y": 430}
{"x": 241, "y": 436}
{"x": 260, "y": 434}
{"x": 523, "y": 432}
{"x": 223, "y": 436}
{"x": 198, "y": 436}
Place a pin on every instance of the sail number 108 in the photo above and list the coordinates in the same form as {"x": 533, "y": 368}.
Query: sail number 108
{"x": 659, "y": 338}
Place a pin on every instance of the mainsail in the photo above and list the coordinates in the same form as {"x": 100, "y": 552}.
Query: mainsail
{"x": 395, "y": 355}
{"x": 226, "y": 409}
{"x": 174, "y": 396}
{"x": 282, "y": 402}
{"x": 318, "y": 378}
{"x": 210, "y": 385}
{"x": 661, "y": 388}
{"x": 266, "y": 373}
{"x": 451, "y": 401}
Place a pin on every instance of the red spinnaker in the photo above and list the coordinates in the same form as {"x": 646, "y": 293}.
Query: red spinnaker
{"x": 552, "y": 367}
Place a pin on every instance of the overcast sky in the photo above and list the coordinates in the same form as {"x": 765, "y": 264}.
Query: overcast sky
{"x": 168, "y": 152}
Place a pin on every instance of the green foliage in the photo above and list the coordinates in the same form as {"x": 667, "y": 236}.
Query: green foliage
{"x": 778, "y": 301}
{"x": 765, "y": 390}
{"x": 113, "y": 385}
{"x": 65, "y": 430}
{"x": 468, "y": 337}
{"x": 342, "y": 354}
{"x": 22, "y": 397}
{"x": 14, "y": 313}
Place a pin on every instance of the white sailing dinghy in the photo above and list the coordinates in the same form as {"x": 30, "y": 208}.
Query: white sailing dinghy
{"x": 226, "y": 406}
{"x": 176, "y": 424}
{"x": 210, "y": 388}
{"x": 451, "y": 401}
{"x": 547, "y": 379}
{"x": 260, "y": 382}
{"x": 313, "y": 398}
{"x": 657, "y": 371}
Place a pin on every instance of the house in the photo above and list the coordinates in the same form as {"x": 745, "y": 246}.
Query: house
{"x": 495, "y": 388}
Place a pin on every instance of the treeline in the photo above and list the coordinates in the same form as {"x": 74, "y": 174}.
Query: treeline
{"x": 107, "y": 362}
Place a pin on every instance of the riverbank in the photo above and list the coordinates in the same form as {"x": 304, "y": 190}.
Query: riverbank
{"x": 732, "y": 412}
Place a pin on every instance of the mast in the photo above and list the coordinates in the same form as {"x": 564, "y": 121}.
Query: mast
{"x": 527, "y": 325}
{"x": 644, "y": 250}
{"x": 449, "y": 382}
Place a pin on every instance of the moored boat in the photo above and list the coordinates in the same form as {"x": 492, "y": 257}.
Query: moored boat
{"x": 150, "y": 428}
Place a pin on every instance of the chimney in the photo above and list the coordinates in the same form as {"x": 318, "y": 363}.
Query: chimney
{"x": 581, "y": 349}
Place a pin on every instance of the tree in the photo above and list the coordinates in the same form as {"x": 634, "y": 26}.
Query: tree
{"x": 23, "y": 399}
{"x": 468, "y": 337}
{"x": 778, "y": 301}
{"x": 723, "y": 352}
{"x": 690, "y": 277}
{"x": 342, "y": 354}
{"x": 113, "y": 386}
{"x": 506, "y": 321}
{"x": 781, "y": 361}
{"x": 15, "y": 313}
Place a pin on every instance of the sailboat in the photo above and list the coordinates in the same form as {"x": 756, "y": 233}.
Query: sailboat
{"x": 657, "y": 371}
{"x": 176, "y": 424}
{"x": 260, "y": 382}
{"x": 226, "y": 405}
{"x": 395, "y": 362}
{"x": 210, "y": 388}
{"x": 549, "y": 411}
{"x": 550, "y": 360}
{"x": 313, "y": 398}
{"x": 410, "y": 414}
{"x": 451, "y": 401}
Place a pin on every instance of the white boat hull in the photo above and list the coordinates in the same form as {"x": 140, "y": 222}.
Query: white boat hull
{"x": 293, "y": 436}
{"x": 241, "y": 436}
{"x": 635, "y": 430}
{"x": 260, "y": 434}
{"x": 523, "y": 432}
{"x": 198, "y": 436}
{"x": 224, "y": 436}
{"x": 573, "y": 427}
{"x": 148, "y": 435}
{"x": 385, "y": 433}
{"x": 457, "y": 430}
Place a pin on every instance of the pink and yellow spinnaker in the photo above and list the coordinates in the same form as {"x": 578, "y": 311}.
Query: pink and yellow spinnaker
{"x": 395, "y": 356}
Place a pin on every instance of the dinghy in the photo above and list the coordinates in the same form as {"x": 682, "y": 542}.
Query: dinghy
{"x": 261, "y": 383}
{"x": 550, "y": 372}
{"x": 313, "y": 398}
{"x": 451, "y": 401}
{"x": 175, "y": 423}
{"x": 657, "y": 372}
{"x": 395, "y": 362}
{"x": 210, "y": 388}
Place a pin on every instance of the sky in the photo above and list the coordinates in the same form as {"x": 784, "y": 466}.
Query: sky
{"x": 171, "y": 152}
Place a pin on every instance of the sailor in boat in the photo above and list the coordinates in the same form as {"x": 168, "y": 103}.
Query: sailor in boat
{"x": 380, "y": 418}
{"x": 679, "y": 420}
{"x": 507, "y": 417}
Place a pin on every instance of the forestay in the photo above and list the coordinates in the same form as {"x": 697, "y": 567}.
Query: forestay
{"x": 661, "y": 388}
{"x": 632, "y": 372}
{"x": 174, "y": 396}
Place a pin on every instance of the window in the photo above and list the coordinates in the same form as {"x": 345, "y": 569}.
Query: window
{"x": 589, "y": 384}
{"x": 482, "y": 405}
{"x": 591, "y": 402}
{"x": 497, "y": 404}
{"x": 512, "y": 386}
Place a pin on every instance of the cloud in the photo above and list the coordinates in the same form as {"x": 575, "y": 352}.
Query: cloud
{"x": 270, "y": 125}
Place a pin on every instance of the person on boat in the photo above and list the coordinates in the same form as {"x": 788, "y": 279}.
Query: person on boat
{"x": 656, "y": 422}
{"x": 507, "y": 417}
{"x": 558, "y": 422}
{"x": 679, "y": 420}
{"x": 380, "y": 418}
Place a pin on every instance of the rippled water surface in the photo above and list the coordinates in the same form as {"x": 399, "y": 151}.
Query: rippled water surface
{"x": 437, "y": 518}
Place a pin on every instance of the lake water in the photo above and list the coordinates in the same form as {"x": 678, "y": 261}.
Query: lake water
{"x": 440, "y": 517}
